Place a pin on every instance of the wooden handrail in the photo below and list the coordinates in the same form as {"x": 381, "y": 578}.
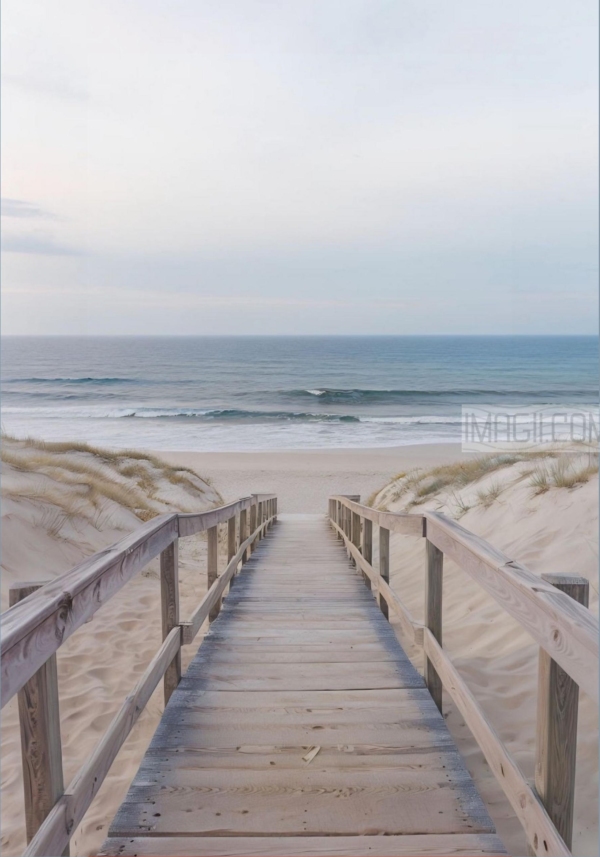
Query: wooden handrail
{"x": 566, "y": 631}
{"x": 34, "y": 629}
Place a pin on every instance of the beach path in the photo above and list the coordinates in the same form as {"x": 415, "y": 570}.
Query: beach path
{"x": 301, "y": 728}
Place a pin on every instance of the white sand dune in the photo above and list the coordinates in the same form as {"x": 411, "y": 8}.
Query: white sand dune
{"x": 554, "y": 530}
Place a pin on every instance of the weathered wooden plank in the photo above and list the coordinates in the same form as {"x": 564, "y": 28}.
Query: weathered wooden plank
{"x": 539, "y": 829}
{"x": 169, "y": 595}
{"x": 39, "y": 723}
{"x": 564, "y": 628}
{"x": 420, "y": 845}
{"x": 310, "y": 708}
{"x": 308, "y": 805}
{"x": 433, "y": 614}
{"x": 315, "y": 676}
{"x": 556, "y": 733}
{"x": 55, "y": 832}
{"x": 35, "y": 628}
{"x": 212, "y": 554}
{"x": 384, "y": 566}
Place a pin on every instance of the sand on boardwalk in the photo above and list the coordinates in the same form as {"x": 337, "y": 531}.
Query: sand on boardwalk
{"x": 556, "y": 531}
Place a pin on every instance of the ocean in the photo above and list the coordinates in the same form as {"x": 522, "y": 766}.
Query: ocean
{"x": 260, "y": 393}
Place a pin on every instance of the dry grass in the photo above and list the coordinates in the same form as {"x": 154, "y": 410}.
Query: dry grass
{"x": 419, "y": 485}
{"x": 489, "y": 496}
{"x": 77, "y": 479}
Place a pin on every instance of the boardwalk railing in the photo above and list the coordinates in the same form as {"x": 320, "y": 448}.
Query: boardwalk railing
{"x": 553, "y": 609}
{"x": 43, "y": 615}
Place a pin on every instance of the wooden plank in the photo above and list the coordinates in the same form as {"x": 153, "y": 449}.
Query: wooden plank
{"x": 433, "y": 614}
{"x": 238, "y": 803}
{"x": 244, "y": 534}
{"x": 245, "y": 652}
{"x": 35, "y": 628}
{"x": 539, "y": 829}
{"x": 39, "y": 723}
{"x": 212, "y": 555}
{"x": 55, "y": 832}
{"x": 316, "y": 676}
{"x": 289, "y": 707}
{"x": 384, "y": 566}
{"x": 169, "y": 596}
{"x": 231, "y": 548}
{"x": 420, "y": 845}
{"x": 556, "y": 734}
{"x": 313, "y": 636}
{"x": 561, "y": 626}
{"x": 367, "y": 546}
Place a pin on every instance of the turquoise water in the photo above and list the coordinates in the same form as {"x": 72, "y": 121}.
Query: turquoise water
{"x": 219, "y": 393}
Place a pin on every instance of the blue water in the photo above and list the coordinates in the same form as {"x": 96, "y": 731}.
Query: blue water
{"x": 225, "y": 393}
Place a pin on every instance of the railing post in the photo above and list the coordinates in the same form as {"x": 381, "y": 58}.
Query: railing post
{"x": 339, "y": 518}
{"x": 231, "y": 546}
{"x": 275, "y": 507}
{"x": 433, "y": 614}
{"x": 244, "y": 533}
{"x": 169, "y": 597}
{"x": 367, "y": 545}
{"x": 39, "y": 722}
{"x": 212, "y": 567}
{"x": 556, "y": 736}
{"x": 355, "y": 537}
{"x": 384, "y": 566}
{"x": 253, "y": 513}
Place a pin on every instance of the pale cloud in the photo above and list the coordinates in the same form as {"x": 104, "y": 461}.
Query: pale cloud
{"x": 346, "y": 152}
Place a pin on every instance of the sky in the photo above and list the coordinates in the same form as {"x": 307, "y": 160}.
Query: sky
{"x": 299, "y": 166}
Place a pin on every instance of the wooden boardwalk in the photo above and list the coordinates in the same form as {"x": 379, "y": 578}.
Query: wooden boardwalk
{"x": 301, "y": 728}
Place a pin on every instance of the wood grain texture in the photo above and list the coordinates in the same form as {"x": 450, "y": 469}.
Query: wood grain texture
{"x": 35, "y": 628}
{"x": 55, "y": 832}
{"x": 212, "y": 570}
{"x": 556, "y": 734}
{"x": 561, "y": 626}
{"x": 433, "y": 614}
{"x": 458, "y": 845}
{"x": 39, "y": 724}
{"x": 298, "y": 660}
{"x": 169, "y": 596}
{"x": 541, "y": 833}
{"x": 384, "y": 566}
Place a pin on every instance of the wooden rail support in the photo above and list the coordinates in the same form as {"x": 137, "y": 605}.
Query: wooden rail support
{"x": 433, "y": 615}
{"x": 169, "y": 597}
{"x": 212, "y": 567}
{"x": 556, "y": 736}
{"x": 253, "y": 514}
{"x": 244, "y": 534}
{"x": 384, "y": 566}
{"x": 355, "y": 531}
{"x": 41, "y": 747}
{"x": 367, "y": 545}
{"x": 231, "y": 544}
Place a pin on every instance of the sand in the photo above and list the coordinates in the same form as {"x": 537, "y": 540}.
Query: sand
{"x": 303, "y": 480}
{"x": 554, "y": 531}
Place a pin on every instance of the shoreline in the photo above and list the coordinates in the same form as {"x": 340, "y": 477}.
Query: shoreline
{"x": 302, "y": 479}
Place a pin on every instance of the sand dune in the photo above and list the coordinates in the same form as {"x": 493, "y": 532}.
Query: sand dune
{"x": 520, "y": 509}
{"x": 61, "y": 504}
